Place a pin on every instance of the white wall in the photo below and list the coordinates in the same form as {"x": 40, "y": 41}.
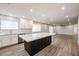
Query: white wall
{"x": 67, "y": 30}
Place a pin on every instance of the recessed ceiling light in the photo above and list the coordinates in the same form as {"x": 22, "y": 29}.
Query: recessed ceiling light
{"x": 62, "y": 8}
{"x": 31, "y": 10}
{"x": 66, "y": 16}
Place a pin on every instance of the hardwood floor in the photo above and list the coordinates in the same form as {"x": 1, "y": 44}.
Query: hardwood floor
{"x": 62, "y": 45}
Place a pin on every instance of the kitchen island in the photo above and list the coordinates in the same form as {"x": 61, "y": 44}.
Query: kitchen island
{"x": 33, "y": 43}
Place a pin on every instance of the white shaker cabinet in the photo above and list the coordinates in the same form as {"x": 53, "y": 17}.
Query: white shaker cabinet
{"x": 14, "y": 39}
{"x": 25, "y": 24}
{"x": 0, "y": 44}
{"x": 0, "y": 41}
{"x": 6, "y": 40}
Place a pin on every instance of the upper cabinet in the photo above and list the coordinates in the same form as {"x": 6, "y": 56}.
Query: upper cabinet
{"x": 44, "y": 28}
{"x": 25, "y": 24}
{"x": 8, "y": 23}
{"x": 36, "y": 27}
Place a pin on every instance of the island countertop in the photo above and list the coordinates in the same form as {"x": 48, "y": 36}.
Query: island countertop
{"x": 34, "y": 36}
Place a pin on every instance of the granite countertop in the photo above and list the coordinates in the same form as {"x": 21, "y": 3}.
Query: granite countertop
{"x": 35, "y": 36}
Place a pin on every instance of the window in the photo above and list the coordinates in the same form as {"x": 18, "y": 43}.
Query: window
{"x": 36, "y": 28}
{"x": 9, "y": 23}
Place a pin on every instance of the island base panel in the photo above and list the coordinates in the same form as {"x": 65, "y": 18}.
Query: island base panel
{"x": 35, "y": 46}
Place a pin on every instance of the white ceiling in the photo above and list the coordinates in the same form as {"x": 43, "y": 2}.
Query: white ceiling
{"x": 50, "y": 13}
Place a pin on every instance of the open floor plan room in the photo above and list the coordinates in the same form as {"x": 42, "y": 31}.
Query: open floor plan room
{"x": 39, "y": 29}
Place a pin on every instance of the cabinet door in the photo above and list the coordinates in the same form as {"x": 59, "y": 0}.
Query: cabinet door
{"x": 6, "y": 40}
{"x": 0, "y": 44}
{"x": 14, "y": 39}
{"x": 24, "y": 23}
{"x": 0, "y": 41}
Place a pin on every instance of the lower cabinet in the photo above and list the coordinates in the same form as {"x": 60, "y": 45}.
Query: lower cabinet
{"x": 0, "y": 42}
{"x": 6, "y": 40}
{"x": 14, "y": 39}
{"x": 35, "y": 46}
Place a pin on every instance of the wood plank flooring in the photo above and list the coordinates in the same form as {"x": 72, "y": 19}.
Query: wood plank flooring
{"x": 62, "y": 45}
